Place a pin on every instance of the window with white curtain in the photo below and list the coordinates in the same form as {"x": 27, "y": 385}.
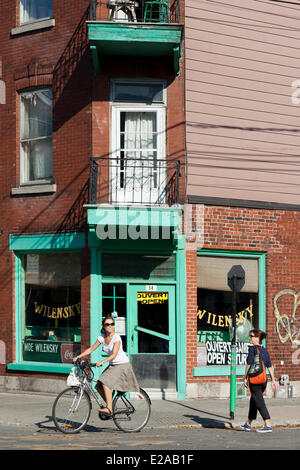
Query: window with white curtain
{"x": 33, "y": 10}
{"x": 138, "y": 168}
{"x": 36, "y": 135}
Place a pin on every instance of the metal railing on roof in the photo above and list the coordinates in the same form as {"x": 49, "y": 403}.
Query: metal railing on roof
{"x": 132, "y": 11}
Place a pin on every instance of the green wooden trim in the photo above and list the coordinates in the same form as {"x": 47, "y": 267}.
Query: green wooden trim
{"x": 231, "y": 254}
{"x": 19, "y": 301}
{"x": 135, "y": 39}
{"x": 95, "y": 58}
{"x": 40, "y": 367}
{"x": 125, "y": 280}
{"x": 176, "y": 60}
{"x": 95, "y": 302}
{"x": 139, "y": 216}
{"x": 153, "y": 333}
{"x": 262, "y": 293}
{"x": 215, "y": 371}
{"x": 53, "y": 241}
{"x": 181, "y": 317}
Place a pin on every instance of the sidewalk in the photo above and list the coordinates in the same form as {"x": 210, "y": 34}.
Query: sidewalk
{"x": 34, "y": 409}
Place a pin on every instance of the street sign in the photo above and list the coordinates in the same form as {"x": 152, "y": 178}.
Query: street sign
{"x": 236, "y": 278}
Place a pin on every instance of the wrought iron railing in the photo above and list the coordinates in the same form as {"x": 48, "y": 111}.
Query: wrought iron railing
{"x": 142, "y": 11}
{"x": 129, "y": 181}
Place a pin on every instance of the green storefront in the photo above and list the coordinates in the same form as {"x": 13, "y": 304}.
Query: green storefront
{"x": 137, "y": 269}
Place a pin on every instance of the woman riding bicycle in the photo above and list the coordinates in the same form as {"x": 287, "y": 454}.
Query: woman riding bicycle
{"x": 119, "y": 374}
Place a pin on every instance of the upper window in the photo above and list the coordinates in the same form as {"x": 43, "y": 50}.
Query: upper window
{"x": 135, "y": 92}
{"x": 33, "y": 10}
{"x": 36, "y": 135}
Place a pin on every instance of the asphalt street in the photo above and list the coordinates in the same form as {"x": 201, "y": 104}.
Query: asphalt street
{"x": 192, "y": 440}
{"x": 188, "y": 426}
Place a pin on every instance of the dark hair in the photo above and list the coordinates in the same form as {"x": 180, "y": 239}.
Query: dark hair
{"x": 259, "y": 334}
{"x": 110, "y": 317}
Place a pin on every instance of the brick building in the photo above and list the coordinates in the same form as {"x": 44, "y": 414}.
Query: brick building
{"x": 92, "y": 177}
{"x": 144, "y": 151}
{"x": 242, "y": 135}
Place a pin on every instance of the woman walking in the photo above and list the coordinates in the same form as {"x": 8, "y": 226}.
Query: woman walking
{"x": 257, "y": 402}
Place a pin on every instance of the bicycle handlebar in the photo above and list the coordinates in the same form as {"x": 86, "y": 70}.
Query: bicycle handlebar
{"x": 82, "y": 364}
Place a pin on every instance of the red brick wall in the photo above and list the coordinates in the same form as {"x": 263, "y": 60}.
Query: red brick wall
{"x": 59, "y": 57}
{"x": 275, "y": 232}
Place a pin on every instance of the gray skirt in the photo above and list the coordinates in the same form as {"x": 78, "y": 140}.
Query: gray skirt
{"x": 120, "y": 377}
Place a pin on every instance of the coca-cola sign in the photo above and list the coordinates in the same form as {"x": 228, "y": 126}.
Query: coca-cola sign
{"x": 68, "y": 351}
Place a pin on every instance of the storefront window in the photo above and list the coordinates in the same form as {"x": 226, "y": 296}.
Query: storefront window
{"x": 214, "y": 313}
{"x": 52, "y": 307}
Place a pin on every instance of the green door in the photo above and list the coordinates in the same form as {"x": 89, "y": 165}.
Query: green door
{"x": 151, "y": 335}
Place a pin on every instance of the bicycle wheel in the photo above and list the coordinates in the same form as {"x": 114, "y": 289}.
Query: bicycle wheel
{"x": 131, "y": 414}
{"x": 71, "y": 410}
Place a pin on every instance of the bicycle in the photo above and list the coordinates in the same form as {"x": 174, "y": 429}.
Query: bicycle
{"x": 72, "y": 407}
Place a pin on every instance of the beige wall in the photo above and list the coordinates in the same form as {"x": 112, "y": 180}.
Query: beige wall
{"x": 243, "y": 129}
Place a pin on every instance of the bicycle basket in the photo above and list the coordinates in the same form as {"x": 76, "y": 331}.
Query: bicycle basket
{"x": 73, "y": 380}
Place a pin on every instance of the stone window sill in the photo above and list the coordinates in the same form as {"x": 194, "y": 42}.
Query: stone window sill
{"x": 33, "y": 189}
{"x": 34, "y": 26}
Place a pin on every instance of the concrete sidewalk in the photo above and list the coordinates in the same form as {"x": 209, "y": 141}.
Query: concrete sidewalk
{"x": 35, "y": 409}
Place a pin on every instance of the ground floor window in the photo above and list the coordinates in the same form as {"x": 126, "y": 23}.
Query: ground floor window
{"x": 51, "y": 320}
{"x": 214, "y": 309}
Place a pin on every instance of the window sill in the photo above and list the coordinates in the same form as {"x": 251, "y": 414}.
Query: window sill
{"x": 41, "y": 367}
{"x": 33, "y": 189}
{"x": 213, "y": 371}
{"x": 34, "y": 26}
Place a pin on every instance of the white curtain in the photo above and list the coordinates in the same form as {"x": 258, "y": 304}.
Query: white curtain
{"x": 31, "y": 10}
{"x": 140, "y": 151}
{"x": 140, "y": 135}
{"x": 36, "y": 132}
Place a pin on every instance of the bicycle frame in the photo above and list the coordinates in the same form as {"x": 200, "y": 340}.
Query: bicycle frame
{"x": 86, "y": 386}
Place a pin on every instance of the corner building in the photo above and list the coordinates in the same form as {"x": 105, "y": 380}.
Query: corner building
{"x": 92, "y": 187}
{"x": 145, "y": 150}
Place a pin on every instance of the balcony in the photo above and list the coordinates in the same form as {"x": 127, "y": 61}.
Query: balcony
{"x": 135, "y": 28}
{"x": 134, "y": 181}
{"x": 133, "y": 193}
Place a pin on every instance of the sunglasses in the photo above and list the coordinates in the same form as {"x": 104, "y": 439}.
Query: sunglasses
{"x": 252, "y": 336}
{"x": 108, "y": 324}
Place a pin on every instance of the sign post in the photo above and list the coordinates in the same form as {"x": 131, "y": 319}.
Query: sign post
{"x": 236, "y": 281}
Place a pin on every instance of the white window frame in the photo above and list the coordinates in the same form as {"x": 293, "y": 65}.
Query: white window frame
{"x": 23, "y": 161}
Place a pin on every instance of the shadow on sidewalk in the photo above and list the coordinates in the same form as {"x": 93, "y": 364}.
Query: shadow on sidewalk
{"x": 209, "y": 420}
{"x": 49, "y": 426}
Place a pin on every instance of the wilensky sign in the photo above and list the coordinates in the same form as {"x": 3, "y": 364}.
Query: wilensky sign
{"x": 47, "y": 351}
{"x": 218, "y": 353}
